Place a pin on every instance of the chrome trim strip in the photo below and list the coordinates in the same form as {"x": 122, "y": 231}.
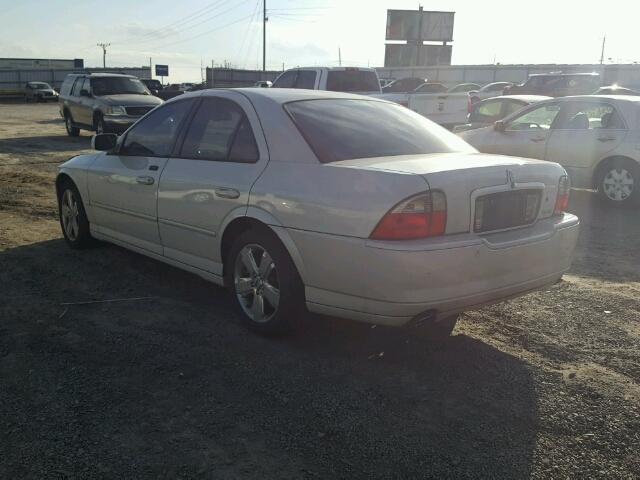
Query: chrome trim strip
{"x": 200, "y": 230}
{"x": 124, "y": 211}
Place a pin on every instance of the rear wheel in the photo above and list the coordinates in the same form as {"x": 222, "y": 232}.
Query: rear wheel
{"x": 73, "y": 218}
{"x": 68, "y": 124}
{"x": 265, "y": 283}
{"x": 619, "y": 182}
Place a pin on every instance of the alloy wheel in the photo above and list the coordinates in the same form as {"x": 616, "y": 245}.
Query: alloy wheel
{"x": 69, "y": 213}
{"x": 618, "y": 184}
{"x": 256, "y": 283}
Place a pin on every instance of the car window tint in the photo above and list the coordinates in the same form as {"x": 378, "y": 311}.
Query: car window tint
{"x": 286, "y": 80}
{"x": 244, "y": 148}
{"x": 213, "y": 130}
{"x": 306, "y": 79}
{"x": 591, "y": 116}
{"x": 540, "y": 118}
{"x": 86, "y": 85}
{"x": 352, "y": 81}
{"x": 156, "y": 133}
{"x": 341, "y": 129}
{"x": 65, "y": 89}
{"x": 486, "y": 111}
{"x": 77, "y": 86}
{"x": 512, "y": 106}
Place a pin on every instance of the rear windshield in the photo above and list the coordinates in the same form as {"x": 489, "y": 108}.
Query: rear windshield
{"x": 352, "y": 81}
{"x": 342, "y": 129}
{"x": 118, "y": 85}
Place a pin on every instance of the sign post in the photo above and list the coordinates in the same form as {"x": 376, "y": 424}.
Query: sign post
{"x": 162, "y": 71}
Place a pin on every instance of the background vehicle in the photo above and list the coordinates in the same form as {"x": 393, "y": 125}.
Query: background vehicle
{"x": 594, "y": 137}
{"x": 487, "y": 112}
{"x": 263, "y": 84}
{"x": 154, "y": 86}
{"x": 431, "y": 87}
{"x": 557, "y": 85}
{"x": 103, "y": 102}
{"x": 447, "y": 109}
{"x": 403, "y": 98}
{"x": 335, "y": 79}
{"x": 615, "y": 90}
{"x": 39, "y": 92}
{"x": 357, "y": 208}
{"x": 489, "y": 90}
{"x": 404, "y": 85}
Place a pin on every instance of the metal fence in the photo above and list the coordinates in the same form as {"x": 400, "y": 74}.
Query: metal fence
{"x": 233, "y": 78}
{"x": 627, "y": 75}
{"x": 12, "y": 82}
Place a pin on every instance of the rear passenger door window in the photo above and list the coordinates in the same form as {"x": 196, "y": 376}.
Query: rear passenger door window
{"x": 306, "y": 79}
{"x": 220, "y": 131}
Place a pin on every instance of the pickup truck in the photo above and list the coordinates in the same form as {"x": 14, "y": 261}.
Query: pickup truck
{"x": 447, "y": 108}
{"x": 336, "y": 79}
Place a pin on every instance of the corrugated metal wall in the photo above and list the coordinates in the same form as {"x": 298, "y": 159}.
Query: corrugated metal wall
{"x": 627, "y": 75}
{"x": 234, "y": 78}
{"x": 12, "y": 81}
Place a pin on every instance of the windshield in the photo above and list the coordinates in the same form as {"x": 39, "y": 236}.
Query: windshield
{"x": 118, "y": 85}
{"x": 353, "y": 81}
{"x": 343, "y": 129}
{"x": 40, "y": 85}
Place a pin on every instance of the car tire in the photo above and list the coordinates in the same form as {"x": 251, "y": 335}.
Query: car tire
{"x": 619, "y": 182}
{"x": 73, "y": 217}
{"x": 68, "y": 124}
{"x": 264, "y": 283}
{"x": 99, "y": 126}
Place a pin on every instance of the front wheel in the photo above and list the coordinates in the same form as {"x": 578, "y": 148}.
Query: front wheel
{"x": 265, "y": 283}
{"x": 100, "y": 126}
{"x": 68, "y": 124}
{"x": 619, "y": 182}
{"x": 73, "y": 218}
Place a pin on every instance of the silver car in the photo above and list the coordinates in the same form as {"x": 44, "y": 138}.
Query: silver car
{"x": 340, "y": 204}
{"x": 39, "y": 92}
{"x": 594, "y": 137}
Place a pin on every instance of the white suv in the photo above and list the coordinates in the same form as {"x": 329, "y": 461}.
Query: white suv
{"x": 337, "y": 79}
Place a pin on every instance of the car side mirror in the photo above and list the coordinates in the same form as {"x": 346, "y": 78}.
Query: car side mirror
{"x": 84, "y": 93}
{"x": 104, "y": 142}
{"x": 499, "y": 126}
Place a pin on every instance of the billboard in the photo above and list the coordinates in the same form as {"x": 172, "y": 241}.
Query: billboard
{"x": 162, "y": 70}
{"x": 407, "y": 55}
{"x": 405, "y": 25}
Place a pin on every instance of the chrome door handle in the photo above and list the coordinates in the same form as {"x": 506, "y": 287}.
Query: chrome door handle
{"x": 144, "y": 180}
{"x": 224, "y": 192}
{"x": 606, "y": 139}
{"x": 539, "y": 139}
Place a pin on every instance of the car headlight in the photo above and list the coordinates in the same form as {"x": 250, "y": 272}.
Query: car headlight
{"x": 116, "y": 110}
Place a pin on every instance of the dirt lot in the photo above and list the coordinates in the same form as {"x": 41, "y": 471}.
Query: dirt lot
{"x": 545, "y": 386}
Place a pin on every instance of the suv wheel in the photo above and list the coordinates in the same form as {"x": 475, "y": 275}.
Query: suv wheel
{"x": 99, "y": 125}
{"x": 68, "y": 124}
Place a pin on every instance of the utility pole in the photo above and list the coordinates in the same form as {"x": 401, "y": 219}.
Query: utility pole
{"x": 264, "y": 35}
{"x": 604, "y": 41}
{"x": 211, "y": 73}
{"x": 420, "y": 42}
{"x": 150, "y": 68}
{"x": 339, "y": 57}
{"x": 104, "y": 53}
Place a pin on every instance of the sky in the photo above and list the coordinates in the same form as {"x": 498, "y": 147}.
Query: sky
{"x": 187, "y": 33}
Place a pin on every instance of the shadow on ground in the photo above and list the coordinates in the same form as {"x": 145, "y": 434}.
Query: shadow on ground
{"x": 50, "y": 143}
{"x": 174, "y": 386}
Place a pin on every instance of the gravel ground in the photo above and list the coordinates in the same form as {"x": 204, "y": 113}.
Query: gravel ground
{"x": 544, "y": 386}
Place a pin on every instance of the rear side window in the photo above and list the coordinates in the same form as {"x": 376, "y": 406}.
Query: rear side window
{"x": 352, "y": 81}
{"x": 341, "y": 129}
{"x": 306, "y": 79}
{"x": 155, "y": 134}
{"x": 77, "y": 86}
{"x": 220, "y": 131}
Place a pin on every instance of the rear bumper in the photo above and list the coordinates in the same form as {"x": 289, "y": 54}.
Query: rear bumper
{"x": 393, "y": 282}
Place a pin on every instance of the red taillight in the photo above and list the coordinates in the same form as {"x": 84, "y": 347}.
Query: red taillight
{"x": 469, "y": 105}
{"x": 421, "y": 216}
{"x": 562, "y": 200}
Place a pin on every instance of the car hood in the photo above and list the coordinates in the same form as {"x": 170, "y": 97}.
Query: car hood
{"x": 131, "y": 100}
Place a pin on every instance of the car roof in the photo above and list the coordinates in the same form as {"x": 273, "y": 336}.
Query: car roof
{"x": 337, "y": 69}
{"x": 617, "y": 98}
{"x": 526, "y": 98}
{"x": 286, "y": 95}
{"x": 550, "y": 74}
{"x": 101, "y": 74}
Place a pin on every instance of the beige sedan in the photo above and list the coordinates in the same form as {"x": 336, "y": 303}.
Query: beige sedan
{"x": 594, "y": 137}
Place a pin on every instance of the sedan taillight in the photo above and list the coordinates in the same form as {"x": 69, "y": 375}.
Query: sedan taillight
{"x": 562, "y": 200}
{"x": 420, "y": 216}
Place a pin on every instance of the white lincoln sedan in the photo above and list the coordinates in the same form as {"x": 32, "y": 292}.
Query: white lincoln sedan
{"x": 595, "y": 137}
{"x": 346, "y": 205}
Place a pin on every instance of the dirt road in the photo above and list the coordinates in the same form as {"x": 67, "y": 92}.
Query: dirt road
{"x": 545, "y": 386}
